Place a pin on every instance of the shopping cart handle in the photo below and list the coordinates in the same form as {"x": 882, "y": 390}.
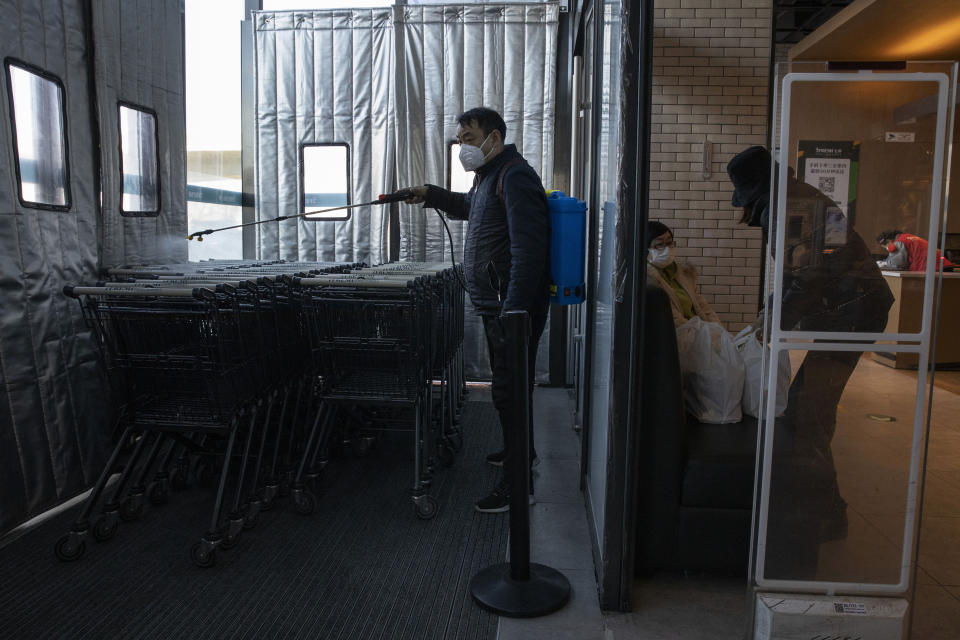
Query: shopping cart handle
{"x": 398, "y": 196}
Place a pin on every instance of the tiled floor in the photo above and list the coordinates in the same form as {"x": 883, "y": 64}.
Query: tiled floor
{"x": 558, "y": 527}
{"x": 872, "y": 467}
{"x": 872, "y": 462}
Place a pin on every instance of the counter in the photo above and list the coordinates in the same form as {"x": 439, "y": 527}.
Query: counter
{"x": 905, "y": 316}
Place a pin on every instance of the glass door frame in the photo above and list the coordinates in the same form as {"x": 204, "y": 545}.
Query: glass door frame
{"x": 803, "y": 340}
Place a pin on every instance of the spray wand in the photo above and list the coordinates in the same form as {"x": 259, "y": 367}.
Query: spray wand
{"x": 385, "y": 198}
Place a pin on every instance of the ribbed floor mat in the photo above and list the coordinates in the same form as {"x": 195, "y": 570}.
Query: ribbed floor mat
{"x": 363, "y": 566}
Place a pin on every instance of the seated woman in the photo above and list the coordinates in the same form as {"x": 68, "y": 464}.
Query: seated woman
{"x": 677, "y": 279}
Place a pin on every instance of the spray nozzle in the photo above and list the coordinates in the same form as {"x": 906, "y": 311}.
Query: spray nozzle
{"x": 199, "y": 235}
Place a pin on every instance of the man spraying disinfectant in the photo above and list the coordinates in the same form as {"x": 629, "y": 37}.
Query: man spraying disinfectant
{"x": 506, "y": 255}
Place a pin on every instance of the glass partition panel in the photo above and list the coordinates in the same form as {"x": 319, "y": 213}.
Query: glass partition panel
{"x": 841, "y": 460}
{"x": 858, "y": 173}
{"x": 604, "y": 220}
{"x": 863, "y": 171}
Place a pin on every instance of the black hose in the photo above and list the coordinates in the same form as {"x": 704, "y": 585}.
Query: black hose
{"x": 453, "y": 258}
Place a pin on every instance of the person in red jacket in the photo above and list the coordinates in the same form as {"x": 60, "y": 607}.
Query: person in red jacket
{"x": 907, "y": 252}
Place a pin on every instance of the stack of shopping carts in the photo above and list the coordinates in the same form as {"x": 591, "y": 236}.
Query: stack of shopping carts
{"x": 243, "y": 373}
{"x": 386, "y": 338}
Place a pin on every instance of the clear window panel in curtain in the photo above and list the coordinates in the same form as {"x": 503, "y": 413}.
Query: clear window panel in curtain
{"x": 284, "y": 5}
{"x": 605, "y": 220}
{"x": 325, "y": 176}
{"x": 41, "y": 149}
{"x": 139, "y": 161}
{"x": 458, "y": 180}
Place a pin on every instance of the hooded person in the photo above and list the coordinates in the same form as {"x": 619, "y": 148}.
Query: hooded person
{"x": 677, "y": 279}
{"x": 831, "y": 283}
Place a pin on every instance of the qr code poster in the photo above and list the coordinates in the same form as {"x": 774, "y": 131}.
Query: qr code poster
{"x": 831, "y": 176}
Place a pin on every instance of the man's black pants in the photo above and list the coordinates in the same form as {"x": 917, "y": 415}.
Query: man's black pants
{"x": 502, "y": 384}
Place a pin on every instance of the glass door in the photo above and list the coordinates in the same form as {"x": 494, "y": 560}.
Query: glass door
{"x": 859, "y": 155}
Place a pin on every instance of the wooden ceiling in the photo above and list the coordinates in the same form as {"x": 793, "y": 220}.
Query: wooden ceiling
{"x": 886, "y": 30}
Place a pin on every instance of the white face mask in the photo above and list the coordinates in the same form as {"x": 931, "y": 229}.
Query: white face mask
{"x": 471, "y": 157}
{"x": 660, "y": 257}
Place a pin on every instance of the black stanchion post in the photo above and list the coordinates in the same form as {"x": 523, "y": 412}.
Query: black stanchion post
{"x": 519, "y": 589}
{"x": 516, "y": 329}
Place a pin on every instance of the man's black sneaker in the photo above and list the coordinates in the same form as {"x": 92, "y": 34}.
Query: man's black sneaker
{"x": 498, "y": 501}
{"x": 496, "y": 459}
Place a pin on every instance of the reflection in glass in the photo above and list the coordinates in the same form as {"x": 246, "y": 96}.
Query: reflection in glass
{"x": 325, "y": 178}
{"x": 849, "y": 183}
{"x": 139, "y": 160}
{"x": 838, "y": 493}
{"x": 41, "y": 146}
{"x": 602, "y": 330}
{"x": 831, "y": 281}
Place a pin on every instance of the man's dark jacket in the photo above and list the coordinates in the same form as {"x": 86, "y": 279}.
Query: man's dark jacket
{"x": 506, "y": 255}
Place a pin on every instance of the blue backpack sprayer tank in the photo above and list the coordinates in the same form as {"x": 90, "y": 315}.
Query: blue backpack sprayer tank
{"x": 568, "y": 226}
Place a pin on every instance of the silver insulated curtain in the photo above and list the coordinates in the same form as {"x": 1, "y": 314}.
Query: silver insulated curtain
{"x": 389, "y": 83}
{"x": 324, "y": 78}
{"x": 452, "y": 58}
{"x": 54, "y": 424}
{"x": 139, "y": 63}
{"x": 455, "y": 57}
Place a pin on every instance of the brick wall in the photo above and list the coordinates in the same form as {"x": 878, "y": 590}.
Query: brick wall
{"x": 711, "y": 66}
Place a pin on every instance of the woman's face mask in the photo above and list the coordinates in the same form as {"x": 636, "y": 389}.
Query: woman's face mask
{"x": 471, "y": 157}
{"x": 660, "y": 258}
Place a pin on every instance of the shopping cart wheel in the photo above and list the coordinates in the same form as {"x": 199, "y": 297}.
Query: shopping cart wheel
{"x": 229, "y": 540}
{"x": 304, "y": 501}
{"x": 270, "y": 493}
{"x": 203, "y": 554}
{"x": 70, "y": 547}
{"x": 159, "y": 492}
{"x": 106, "y": 526}
{"x": 132, "y": 507}
{"x": 426, "y": 507}
{"x": 231, "y": 536}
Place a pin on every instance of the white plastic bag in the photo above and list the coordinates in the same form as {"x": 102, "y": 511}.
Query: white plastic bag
{"x": 712, "y": 371}
{"x": 752, "y": 352}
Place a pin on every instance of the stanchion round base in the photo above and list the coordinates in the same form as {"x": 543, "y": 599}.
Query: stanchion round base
{"x": 546, "y": 591}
